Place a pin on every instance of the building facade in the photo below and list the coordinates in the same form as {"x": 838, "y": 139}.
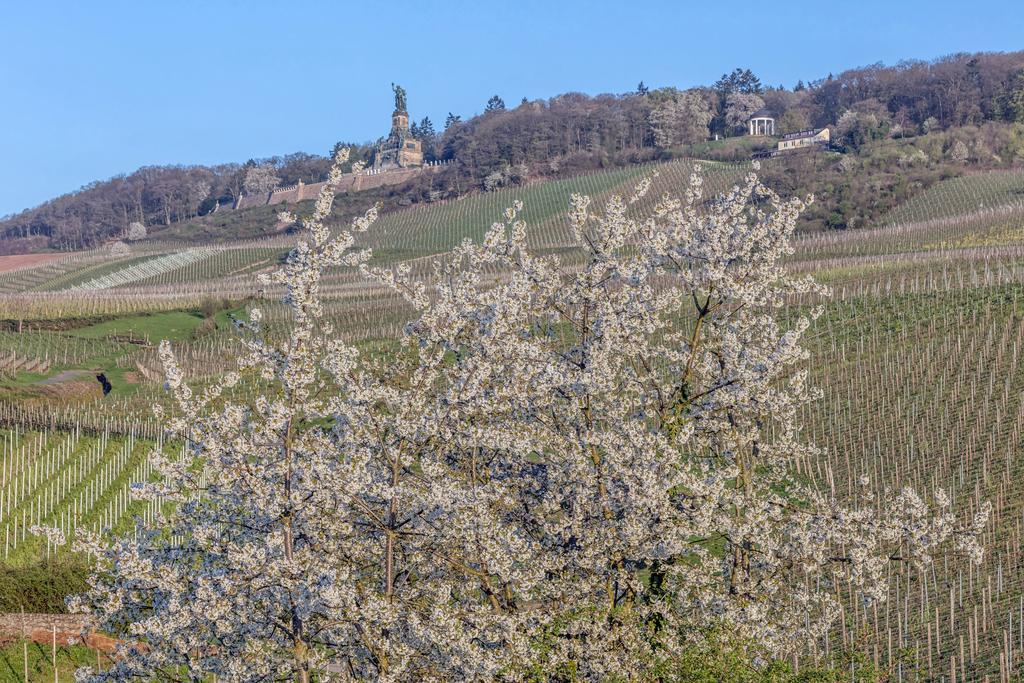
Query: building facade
{"x": 399, "y": 149}
{"x": 804, "y": 138}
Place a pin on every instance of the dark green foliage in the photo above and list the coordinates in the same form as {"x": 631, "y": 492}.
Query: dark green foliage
{"x": 957, "y": 90}
{"x": 41, "y": 587}
{"x": 740, "y": 80}
{"x": 861, "y": 132}
{"x": 721, "y": 659}
{"x": 426, "y": 134}
{"x": 1011, "y": 107}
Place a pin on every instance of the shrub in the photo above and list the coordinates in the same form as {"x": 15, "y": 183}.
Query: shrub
{"x": 40, "y": 588}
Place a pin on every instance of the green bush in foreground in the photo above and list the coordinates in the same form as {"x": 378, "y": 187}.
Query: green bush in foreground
{"x": 721, "y": 659}
{"x": 40, "y": 587}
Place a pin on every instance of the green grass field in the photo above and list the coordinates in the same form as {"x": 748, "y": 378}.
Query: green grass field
{"x": 40, "y": 660}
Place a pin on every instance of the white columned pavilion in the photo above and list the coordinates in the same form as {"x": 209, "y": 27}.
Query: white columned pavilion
{"x": 761, "y": 123}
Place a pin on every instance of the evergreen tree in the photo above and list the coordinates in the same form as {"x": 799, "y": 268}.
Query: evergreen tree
{"x": 428, "y": 138}
{"x": 1011, "y": 104}
{"x": 495, "y": 104}
{"x": 740, "y": 80}
{"x": 427, "y": 128}
{"x": 642, "y": 89}
{"x": 749, "y": 83}
{"x": 451, "y": 120}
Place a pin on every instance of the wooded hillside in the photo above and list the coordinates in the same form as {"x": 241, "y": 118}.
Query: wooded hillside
{"x": 575, "y": 132}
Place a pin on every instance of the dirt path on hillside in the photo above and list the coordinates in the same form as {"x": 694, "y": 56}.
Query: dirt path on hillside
{"x": 19, "y": 261}
{"x": 64, "y": 376}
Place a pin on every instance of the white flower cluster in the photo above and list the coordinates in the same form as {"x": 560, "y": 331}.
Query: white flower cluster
{"x": 119, "y": 249}
{"x": 136, "y": 231}
{"x": 583, "y": 465}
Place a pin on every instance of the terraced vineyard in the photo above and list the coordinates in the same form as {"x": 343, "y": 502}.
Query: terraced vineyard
{"x": 66, "y": 480}
{"x": 437, "y": 229}
{"x": 31, "y": 279}
{"x": 147, "y": 269}
{"x": 918, "y": 355}
{"x": 962, "y": 196}
{"x": 950, "y": 417}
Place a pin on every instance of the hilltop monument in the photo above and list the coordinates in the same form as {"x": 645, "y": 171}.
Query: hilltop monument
{"x": 761, "y": 122}
{"x": 400, "y": 149}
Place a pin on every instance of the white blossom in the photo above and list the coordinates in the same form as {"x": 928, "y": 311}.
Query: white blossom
{"x": 136, "y": 231}
{"x": 119, "y": 249}
{"x": 587, "y": 462}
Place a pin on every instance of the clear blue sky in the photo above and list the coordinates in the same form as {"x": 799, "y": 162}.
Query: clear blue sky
{"x": 93, "y": 89}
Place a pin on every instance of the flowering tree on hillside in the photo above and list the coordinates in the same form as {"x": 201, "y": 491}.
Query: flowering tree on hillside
{"x": 136, "y": 231}
{"x": 261, "y": 179}
{"x": 680, "y": 118}
{"x": 739, "y": 107}
{"x": 581, "y": 465}
{"x": 959, "y": 152}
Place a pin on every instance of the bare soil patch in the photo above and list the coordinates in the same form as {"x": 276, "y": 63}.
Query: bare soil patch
{"x": 19, "y": 261}
{"x": 64, "y": 376}
{"x": 75, "y": 389}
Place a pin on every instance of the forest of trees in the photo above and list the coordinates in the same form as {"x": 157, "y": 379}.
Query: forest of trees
{"x": 153, "y": 196}
{"x": 911, "y": 98}
{"x": 565, "y": 134}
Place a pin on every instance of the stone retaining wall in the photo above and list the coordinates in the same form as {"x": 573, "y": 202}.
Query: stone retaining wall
{"x": 47, "y": 629}
{"x": 349, "y": 182}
